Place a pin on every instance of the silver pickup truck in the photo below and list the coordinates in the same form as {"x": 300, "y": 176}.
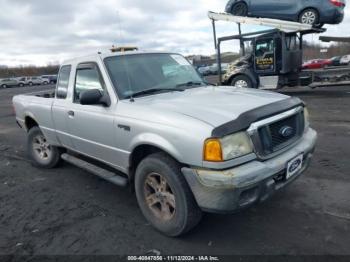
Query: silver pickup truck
{"x": 149, "y": 121}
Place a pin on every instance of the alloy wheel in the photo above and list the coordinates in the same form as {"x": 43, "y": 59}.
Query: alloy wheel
{"x": 241, "y": 84}
{"x": 41, "y": 147}
{"x": 309, "y": 17}
{"x": 159, "y": 196}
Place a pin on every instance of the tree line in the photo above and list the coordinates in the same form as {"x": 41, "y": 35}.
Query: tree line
{"x": 28, "y": 71}
{"x": 315, "y": 51}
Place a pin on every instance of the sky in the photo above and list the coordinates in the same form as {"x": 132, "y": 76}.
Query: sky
{"x": 44, "y": 32}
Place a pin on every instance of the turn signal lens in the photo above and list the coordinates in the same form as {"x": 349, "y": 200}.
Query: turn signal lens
{"x": 213, "y": 151}
{"x": 307, "y": 118}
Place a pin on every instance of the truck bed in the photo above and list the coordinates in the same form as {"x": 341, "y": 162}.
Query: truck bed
{"x": 37, "y": 105}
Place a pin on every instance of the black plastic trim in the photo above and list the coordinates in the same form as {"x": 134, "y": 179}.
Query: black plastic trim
{"x": 246, "y": 119}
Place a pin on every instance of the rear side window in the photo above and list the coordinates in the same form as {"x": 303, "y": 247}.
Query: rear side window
{"x": 63, "y": 82}
{"x": 88, "y": 77}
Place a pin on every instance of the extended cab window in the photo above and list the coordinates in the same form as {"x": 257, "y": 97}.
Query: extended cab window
{"x": 63, "y": 82}
{"x": 88, "y": 77}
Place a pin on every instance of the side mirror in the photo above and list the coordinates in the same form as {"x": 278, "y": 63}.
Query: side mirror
{"x": 94, "y": 97}
{"x": 61, "y": 92}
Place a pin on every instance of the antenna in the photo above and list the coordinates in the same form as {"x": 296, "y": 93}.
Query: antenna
{"x": 119, "y": 26}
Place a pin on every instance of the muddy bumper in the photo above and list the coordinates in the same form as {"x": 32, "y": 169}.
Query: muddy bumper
{"x": 228, "y": 191}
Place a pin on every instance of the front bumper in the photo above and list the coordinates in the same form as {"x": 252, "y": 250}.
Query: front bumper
{"x": 230, "y": 190}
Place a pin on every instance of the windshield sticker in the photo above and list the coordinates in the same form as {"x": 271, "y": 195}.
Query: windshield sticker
{"x": 180, "y": 59}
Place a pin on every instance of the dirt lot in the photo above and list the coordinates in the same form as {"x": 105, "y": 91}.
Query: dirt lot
{"x": 68, "y": 211}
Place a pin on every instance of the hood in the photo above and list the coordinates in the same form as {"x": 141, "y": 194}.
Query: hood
{"x": 212, "y": 105}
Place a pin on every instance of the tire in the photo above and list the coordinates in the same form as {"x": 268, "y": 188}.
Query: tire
{"x": 45, "y": 83}
{"x": 52, "y": 82}
{"x": 242, "y": 81}
{"x": 240, "y": 9}
{"x": 309, "y": 16}
{"x": 21, "y": 85}
{"x": 181, "y": 212}
{"x": 36, "y": 143}
{"x": 30, "y": 84}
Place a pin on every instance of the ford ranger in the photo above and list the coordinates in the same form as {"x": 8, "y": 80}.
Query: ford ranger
{"x": 149, "y": 121}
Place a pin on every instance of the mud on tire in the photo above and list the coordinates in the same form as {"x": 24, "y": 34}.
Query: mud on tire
{"x": 40, "y": 152}
{"x": 164, "y": 196}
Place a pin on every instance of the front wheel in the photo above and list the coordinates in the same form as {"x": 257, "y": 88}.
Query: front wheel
{"x": 164, "y": 196}
{"x": 242, "y": 81}
{"x": 4, "y": 86}
{"x": 240, "y": 9}
{"x": 310, "y": 17}
{"x": 40, "y": 151}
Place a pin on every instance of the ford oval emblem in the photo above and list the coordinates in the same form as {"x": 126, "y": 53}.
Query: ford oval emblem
{"x": 294, "y": 166}
{"x": 286, "y": 131}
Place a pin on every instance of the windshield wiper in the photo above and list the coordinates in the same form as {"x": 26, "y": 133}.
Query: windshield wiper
{"x": 190, "y": 84}
{"x": 153, "y": 91}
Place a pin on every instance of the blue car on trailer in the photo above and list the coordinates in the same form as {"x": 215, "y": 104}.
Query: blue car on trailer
{"x": 313, "y": 12}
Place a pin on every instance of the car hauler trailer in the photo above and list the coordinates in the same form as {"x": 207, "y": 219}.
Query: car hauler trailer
{"x": 328, "y": 76}
{"x": 275, "y": 55}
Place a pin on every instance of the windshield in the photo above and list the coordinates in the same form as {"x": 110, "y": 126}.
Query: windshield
{"x": 137, "y": 73}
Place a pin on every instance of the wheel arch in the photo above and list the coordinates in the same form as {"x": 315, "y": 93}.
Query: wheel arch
{"x": 30, "y": 122}
{"x": 255, "y": 82}
{"x": 142, "y": 150}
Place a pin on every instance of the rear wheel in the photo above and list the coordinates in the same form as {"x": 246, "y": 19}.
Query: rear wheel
{"x": 30, "y": 84}
{"x": 3, "y": 86}
{"x": 164, "y": 196}
{"x": 242, "y": 81}
{"x": 40, "y": 151}
{"x": 309, "y": 16}
{"x": 240, "y": 9}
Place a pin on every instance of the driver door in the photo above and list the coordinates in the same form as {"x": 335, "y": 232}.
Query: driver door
{"x": 92, "y": 126}
{"x": 265, "y": 56}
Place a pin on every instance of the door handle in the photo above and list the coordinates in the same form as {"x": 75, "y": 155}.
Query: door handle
{"x": 71, "y": 113}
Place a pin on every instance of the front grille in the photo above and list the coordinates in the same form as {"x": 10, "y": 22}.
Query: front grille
{"x": 275, "y": 136}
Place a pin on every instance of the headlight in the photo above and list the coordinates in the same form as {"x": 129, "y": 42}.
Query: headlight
{"x": 306, "y": 118}
{"x": 227, "y": 148}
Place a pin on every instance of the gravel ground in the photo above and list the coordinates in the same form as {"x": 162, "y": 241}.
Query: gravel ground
{"x": 66, "y": 211}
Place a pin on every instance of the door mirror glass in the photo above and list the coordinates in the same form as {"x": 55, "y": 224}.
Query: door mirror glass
{"x": 61, "y": 92}
{"x": 94, "y": 97}
{"x": 90, "y": 97}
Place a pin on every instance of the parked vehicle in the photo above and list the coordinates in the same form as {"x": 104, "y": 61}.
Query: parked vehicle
{"x": 313, "y": 12}
{"x": 184, "y": 146}
{"x": 213, "y": 69}
{"x": 34, "y": 80}
{"x": 335, "y": 61}
{"x": 9, "y": 82}
{"x": 317, "y": 64}
{"x": 51, "y": 78}
{"x": 204, "y": 71}
{"x": 345, "y": 60}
